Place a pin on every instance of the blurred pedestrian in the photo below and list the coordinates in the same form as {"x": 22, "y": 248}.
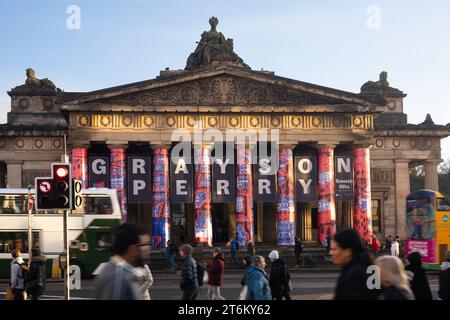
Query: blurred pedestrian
{"x": 388, "y": 243}
{"x": 298, "y": 249}
{"x": 393, "y": 279}
{"x": 234, "y": 248}
{"x": 376, "y": 245}
{"x": 251, "y": 249}
{"x": 247, "y": 264}
{"x": 280, "y": 278}
{"x": 189, "y": 277}
{"x": 444, "y": 278}
{"x": 417, "y": 278}
{"x": 171, "y": 252}
{"x": 395, "y": 248}
{"x": 37, "y": 276}
{"x": 124, "y": 276}
{"x": 17, "y": 283}
{"x": 215, "y": 275}
{"x": 257, "y": 281}
{"x": 349, "y": 252}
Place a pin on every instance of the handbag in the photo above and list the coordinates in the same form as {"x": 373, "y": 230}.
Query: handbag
{"x": 9, "y": 293}
{"x": 205, "y": 277}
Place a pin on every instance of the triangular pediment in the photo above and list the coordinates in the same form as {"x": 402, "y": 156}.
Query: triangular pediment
{"x": 221, "y": 86}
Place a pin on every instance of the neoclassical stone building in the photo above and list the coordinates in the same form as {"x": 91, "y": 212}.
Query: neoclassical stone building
{"x": 316, "y": 125}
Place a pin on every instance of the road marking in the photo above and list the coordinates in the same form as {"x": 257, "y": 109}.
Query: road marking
{"x": 59, "y": 297}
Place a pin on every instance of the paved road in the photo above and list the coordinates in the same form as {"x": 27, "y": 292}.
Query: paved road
{"x": 306, "y": 286}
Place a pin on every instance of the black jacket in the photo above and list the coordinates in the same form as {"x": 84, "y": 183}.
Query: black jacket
{"x": 419, "y": 282}
{"x": 298, "y": 248}
{"x": 37, "y": 276}
{"x": 189, "y": 279}
{"x": 352, "y": 282}
{"x": 393, "y": 293}
{"x": 444, "y": 281}
{"x": 279, "y": 276}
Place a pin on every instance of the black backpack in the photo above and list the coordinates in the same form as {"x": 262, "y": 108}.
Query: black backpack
{"x": 200, "y": 274}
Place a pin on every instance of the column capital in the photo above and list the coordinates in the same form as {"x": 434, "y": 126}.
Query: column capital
{"x": 362, "y": 146}
{"x": 432, "y": 162}
{"x": 291, "y": 146}
{"x": 326, "y": 145}
{"x": 159, "y": 145}
{"x": 402, "y": 161}
{"x": 18, "y": 162}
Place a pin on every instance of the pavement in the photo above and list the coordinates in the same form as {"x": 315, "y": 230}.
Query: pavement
{"x": 305, "y": 286}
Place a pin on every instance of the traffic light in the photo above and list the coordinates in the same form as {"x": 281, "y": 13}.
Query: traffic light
{"x": 77, "y": 199}
{"x": 62, "y": 186}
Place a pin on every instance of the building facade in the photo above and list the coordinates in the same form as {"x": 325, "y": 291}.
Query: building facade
{"x": 341, "y": 159}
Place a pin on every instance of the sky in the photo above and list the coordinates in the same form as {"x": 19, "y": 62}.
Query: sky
{"x": 339, "y": 44}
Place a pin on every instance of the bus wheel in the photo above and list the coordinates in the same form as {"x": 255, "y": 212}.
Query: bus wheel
{"x": 81, "y": 266}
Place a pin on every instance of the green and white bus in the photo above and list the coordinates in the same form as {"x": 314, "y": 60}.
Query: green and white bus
{"x": 90, "y": 229}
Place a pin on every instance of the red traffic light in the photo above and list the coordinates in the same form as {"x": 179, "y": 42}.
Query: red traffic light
{"x": 61, "y": 172}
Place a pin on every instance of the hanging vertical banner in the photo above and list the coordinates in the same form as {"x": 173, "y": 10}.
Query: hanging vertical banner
{"x": 326, "y": 205}
{"x": 161, "y": 203}
{"x": 80, "y": 166}
{"x": 264, "y": 180}
{"x": 244, "y": 197}
{"x": 362, "y": 221}
{"x": 344, "y": 177}
{"x": 118, "y": 174}
{"x": 223, "y": 183}
{"x": 99, "y": 172}
{"x": 202, "y": 197}
{"x": 139, "y": 179}
{"x": 181, "y": 174}
{"x": 306, "y": 178}
{"x": 286, "y": 199}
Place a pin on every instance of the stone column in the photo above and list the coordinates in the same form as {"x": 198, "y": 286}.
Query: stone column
{"x": 117, "y": 171}
{"x": 244, "y": 197}
{"x": 286, "y": 198}
{"x": 431, "y": 175}
{"x": 14, "y": 174}
{"x": 362, "y": 220}
{"x": 202, "y": 196}
{"x": 325, "y": 192}
{"x": 402, "y": 189}
{"x": 80, "y": 165}
{"x": 161, "y": 203}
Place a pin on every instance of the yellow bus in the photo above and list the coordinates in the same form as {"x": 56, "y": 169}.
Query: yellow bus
{"x": 428, "y": 223}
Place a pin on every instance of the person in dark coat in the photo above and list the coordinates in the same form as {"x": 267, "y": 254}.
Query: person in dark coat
{"x": 444, "y": 278}
{"x": 417, "y": 277}
{"x": 393, "y": 279}
{"x": 251, "y": 249}
{"x": 189, "y": 281}
{"x": 279, "y": 277}
{"x": 37, "y": 276}
{"x": 215, "y": 275}
{"x": 248, "y": 260}
{"x": 348, "y": 252}
{"x": 298, "y": 249}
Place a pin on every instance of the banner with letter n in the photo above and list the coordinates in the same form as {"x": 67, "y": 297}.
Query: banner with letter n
{"x": 343, "y": 174}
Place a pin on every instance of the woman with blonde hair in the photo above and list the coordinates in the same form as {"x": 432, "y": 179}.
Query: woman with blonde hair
{"x": 393, "y": 279}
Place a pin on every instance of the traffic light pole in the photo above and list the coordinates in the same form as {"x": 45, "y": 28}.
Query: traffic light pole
{"x": 66, "y": 253}
{"x": 30, "y": 233}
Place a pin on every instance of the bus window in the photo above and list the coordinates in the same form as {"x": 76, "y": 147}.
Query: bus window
{"x": 16, "y": 240}
{"x": 103, "y": 241}
{"x": 443, "y": 204}
{"x": 12, "y": 204}
{"x": 95, "y": 204}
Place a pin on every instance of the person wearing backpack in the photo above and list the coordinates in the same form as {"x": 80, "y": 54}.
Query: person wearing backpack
{"x": 279, "y": 277}
{"x": 18, "y": 273}
{"x": 189, "y": 282}
{"x": 37, "y": 276}
{"x": 215, "y": 275}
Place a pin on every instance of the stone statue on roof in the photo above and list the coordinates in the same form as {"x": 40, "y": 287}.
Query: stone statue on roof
{"x": 380, "y": 87}
{"x": 33, "y": 84}
{"x": 213, "y": 47}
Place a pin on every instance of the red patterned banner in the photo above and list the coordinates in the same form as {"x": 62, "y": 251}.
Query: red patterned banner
{"x": 286, "y": 202}
{"x": 202, "y": 196}
{"x": 326, "y": 205}
{"x": 161, "y": 204}
{"x": 244, "y": 197}
{"x": 362, "y": 221}
{"x": 118, "y": 175}
{"x": 80, "y": 165}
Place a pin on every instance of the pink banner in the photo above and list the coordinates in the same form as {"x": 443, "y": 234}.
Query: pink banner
{"x": 326, "y": 205}
{"x": 427, "y": 248}
{"x": 362, "y": 221}
{"x": 118, "y": 176}
{"x": 80, "y": 165}
{"x": 202, "y": 196}
{"x": 286, "y": 202}
{"x": 161, "y": 203}
{"x": 244, "y": 197}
